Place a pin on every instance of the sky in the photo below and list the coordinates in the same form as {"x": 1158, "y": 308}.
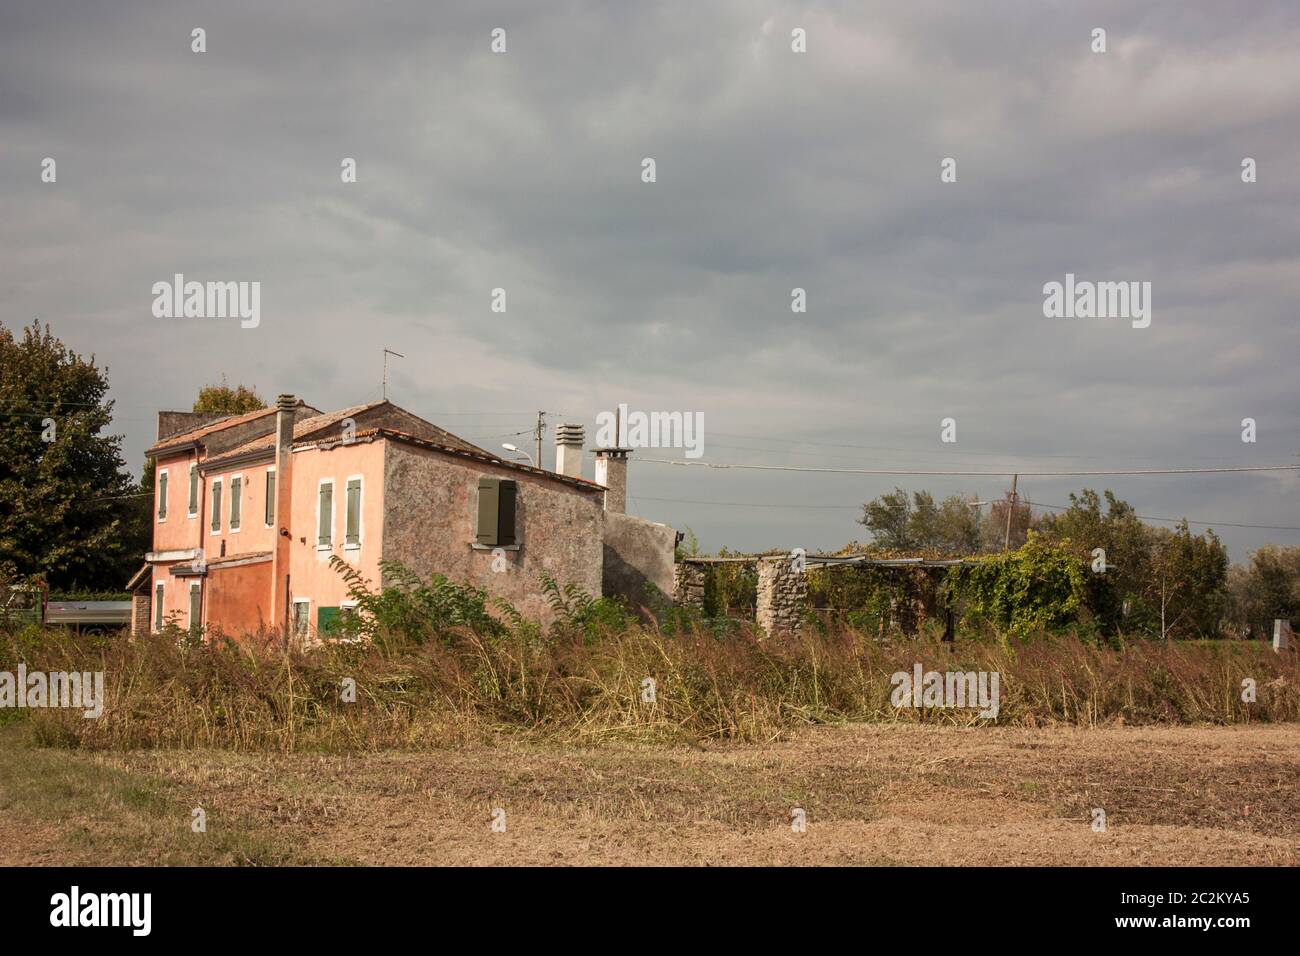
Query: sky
{"x": 774, "y": 170}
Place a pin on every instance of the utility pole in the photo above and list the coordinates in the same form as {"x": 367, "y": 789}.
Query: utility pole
{"x": 388, "y": 352}
{"x": 541, "y": 429}
{"x": 1011, "y": 510}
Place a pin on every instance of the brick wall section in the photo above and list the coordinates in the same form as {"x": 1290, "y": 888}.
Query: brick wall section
{"x": 141, "y": 611}
{"x": 781, "y": 596}
{"x": 688, "y": 586}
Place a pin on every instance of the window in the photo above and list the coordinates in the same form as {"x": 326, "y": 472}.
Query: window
{"x": 196, "y": 605}
{"x": 194, "y": 490}
{"x": 162, "y": 495}
{"x": 352, "y": 522}
{"x": 216, "y": 506}
{"x": 301, "y": 616}
{"x": 236, "y": 504}
{"x": 496, "y": 512}
{"x": 270, "y": 497}
{"x": 158, "y": 607}
{"x": 325, "y": 515}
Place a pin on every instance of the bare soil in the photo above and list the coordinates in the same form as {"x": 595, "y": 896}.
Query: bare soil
{"x": 873, "y": 794}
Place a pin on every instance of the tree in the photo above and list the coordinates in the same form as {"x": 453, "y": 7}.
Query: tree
{"x": 951, "y": 527}
{"x": 993, "y": 533}
{"x": 1265, "y": 590}
{"x": 1157, "y": 581}
{"x": 224, "y": 400}
{"x": 1188, "y": 582}
{"x": 1126, "y": 545}
{"x": 67, "y": 506}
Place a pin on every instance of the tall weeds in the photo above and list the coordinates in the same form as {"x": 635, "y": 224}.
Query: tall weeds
{"x": 580, "y": 685}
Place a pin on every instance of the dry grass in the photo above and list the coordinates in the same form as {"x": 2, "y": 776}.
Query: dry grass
{"x": 470, "y": 688}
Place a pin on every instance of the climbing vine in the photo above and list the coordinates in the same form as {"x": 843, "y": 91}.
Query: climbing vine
{"x": 1021, "y": 593}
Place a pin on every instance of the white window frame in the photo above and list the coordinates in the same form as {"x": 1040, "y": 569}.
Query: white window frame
{"x": 198, "y": 491}
{"x": 160, "y": 602}
{"x": 215, "y": 532}
{"x": 161, "y": 497}
{"x": 269, "y": 471}
{"x": 195, "y": 585}
{"x": 293, "y": 621}
{"x": 361, "y": 507}
{"x": 230, "y": 511}
{"x": 334, "y": 507}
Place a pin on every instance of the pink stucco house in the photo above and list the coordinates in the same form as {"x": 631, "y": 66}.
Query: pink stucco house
{"x": 249, "y": 510}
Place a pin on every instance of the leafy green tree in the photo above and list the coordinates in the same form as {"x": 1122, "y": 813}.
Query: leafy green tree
{"x": 224, "y": 400}
{"x": 68, "y": 508}
{"x": 1266, "y": 589}
{"x": 899, "y": 524}
{"x": 888, "y": 520}
{"x": 1188, "y": 584}
{"x": 1125, "y": 543}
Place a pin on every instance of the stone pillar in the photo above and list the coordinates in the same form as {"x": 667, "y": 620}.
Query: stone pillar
{"x": 1281, "y": 634}
{"x": 781, "y": 595}
{"x": 688, "y": 586}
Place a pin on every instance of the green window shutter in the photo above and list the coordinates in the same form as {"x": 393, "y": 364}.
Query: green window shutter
{"x": 158, "y": 607}
{"x": 325, "y": 515}
{"x": 352, "y": 532}
{"x": 236, "y": 505}
{"x": 194, "y": 489}
{"x": 489, "y": 497}
{"x": 270, "y": 497}
{"x": 327, "y": 620}
{"x": 506, "y": 513}
{"x": 196, "y": 606}
{"x": 162, "y": 496}
{"x": 216, "y": 506}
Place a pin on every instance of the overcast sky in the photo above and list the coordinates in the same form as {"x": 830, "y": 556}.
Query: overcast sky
{"x": 775, "y": 170}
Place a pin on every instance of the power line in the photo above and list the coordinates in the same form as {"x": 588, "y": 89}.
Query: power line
{"x": 1216, "y": 524}
{"x": 924, "y": 451}
{"x": 977, "y": 474}
{"x": 1033, "y": 504}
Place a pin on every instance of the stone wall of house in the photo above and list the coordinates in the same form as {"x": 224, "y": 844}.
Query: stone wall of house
{"x": 688, "y": 586}
{"x": 781, "y": 596}
{"x": 430, "y": 505}
{"x": 638, "y": 560}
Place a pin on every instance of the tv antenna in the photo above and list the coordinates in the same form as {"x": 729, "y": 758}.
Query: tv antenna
{"x": 388, "y": 352}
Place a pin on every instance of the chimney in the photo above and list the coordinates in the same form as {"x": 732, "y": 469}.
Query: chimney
{"x": 286, "y": 407}
{"x": 611, "y": 471}
{"x": 568, "y": 450}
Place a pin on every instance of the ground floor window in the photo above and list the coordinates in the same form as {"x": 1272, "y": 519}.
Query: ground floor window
{"x": 158, "y": 607}
{"x": 301, "y": 617}
{"x": 196, "y": 605}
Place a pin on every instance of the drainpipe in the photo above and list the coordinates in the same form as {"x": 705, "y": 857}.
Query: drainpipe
{"x": 285, "y": 407}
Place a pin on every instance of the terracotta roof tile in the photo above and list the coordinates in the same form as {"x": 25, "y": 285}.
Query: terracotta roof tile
{"x": 194, "y": 434}
{"x": 476, "y": 454}
{"x": 309, "y": 426}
